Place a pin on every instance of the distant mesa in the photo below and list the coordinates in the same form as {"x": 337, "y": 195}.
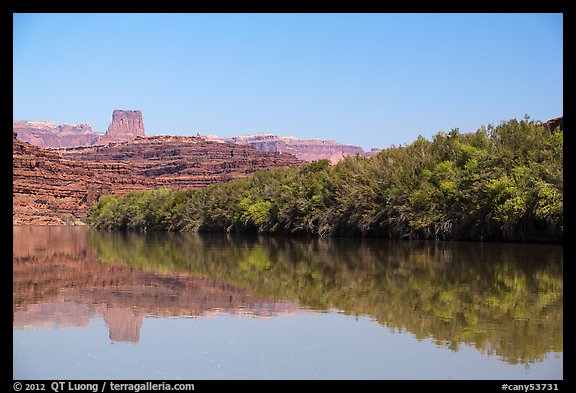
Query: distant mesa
{"x": 126, "y": 125}
{"x": 55, "y": 187}
{"x": 303, "y": 149}
{"x": 47, "y": 134}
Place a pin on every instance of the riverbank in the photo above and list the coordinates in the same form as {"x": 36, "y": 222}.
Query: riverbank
{"x": 501, "y": 183}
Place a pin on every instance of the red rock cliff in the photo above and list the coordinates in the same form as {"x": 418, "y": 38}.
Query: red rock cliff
{"x": 47, "y": 134}
{"x": 125, "y": 126}
{"x": 303, "y": 149}
{"x": 58, "y": 186}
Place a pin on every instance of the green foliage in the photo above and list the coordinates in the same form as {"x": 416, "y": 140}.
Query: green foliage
{"x": 140, "y": 210}
{"x": 502, "y": 182}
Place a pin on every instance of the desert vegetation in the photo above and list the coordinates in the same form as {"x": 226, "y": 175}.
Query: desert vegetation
{"x": 502, "y": 183}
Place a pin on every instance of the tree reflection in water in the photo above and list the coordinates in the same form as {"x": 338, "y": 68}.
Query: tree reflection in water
{"x": 504, "y": 299}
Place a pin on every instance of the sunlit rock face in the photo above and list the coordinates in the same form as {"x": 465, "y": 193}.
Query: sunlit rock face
{"x": 49, "y": 135}
{"x": 303, "y": 149}
{"x": 125, "y": 125}
{"x": 555, "y": 123}
{"x": 52, "y": 187}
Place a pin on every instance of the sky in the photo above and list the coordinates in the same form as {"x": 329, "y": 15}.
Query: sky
{"x": 369, "y": 80}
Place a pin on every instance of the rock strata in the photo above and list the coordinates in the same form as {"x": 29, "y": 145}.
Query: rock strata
{"x": 303, "y": 149}
{"x": 47, "y": 134}
{"x": 55, "y": 187}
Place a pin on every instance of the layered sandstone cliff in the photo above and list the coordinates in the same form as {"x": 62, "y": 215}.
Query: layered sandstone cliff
{"x": 178, "y": 161}
{"x": 47, "y": 134}
{"x": 58, "y": 186}
{"x": 125, "y": 126}
{"x": 303, "y": 149}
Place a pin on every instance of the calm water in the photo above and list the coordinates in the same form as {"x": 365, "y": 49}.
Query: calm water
{"x": 106, "y": 305}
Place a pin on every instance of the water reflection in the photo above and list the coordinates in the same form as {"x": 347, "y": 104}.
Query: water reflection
{"x": 502, "y": 299}
{"x": 59, "y": 281}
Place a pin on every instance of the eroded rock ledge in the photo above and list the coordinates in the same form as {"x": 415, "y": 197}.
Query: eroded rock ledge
{"x": 56, "y": 187}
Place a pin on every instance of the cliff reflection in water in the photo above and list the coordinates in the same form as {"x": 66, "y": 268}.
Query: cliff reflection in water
{"x": 503, "y": 299}
{"x": 59, "y": 281}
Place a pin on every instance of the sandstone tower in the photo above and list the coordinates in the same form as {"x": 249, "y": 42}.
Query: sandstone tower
{"x": 125, "y": 125}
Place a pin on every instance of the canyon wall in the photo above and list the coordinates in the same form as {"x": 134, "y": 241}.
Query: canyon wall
{"x": 47, "y": 134}
{"x": 54, "y": 187}
{"x": 125, "y": 126}
{"x": 128, "y": 125}
{"x": 303, "y": 149}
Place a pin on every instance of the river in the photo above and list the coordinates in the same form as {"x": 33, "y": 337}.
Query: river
{"x": 111, "y": 305}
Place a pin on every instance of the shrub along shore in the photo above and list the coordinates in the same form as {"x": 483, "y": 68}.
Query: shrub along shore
{"x": 500, "y": 183}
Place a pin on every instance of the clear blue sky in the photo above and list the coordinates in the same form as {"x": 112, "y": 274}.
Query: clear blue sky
{"x": 370, "y": 80}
